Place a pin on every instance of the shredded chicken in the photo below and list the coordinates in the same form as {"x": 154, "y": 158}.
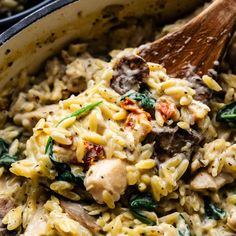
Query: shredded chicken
{"x": 109, "y": 175}
{"x": 203, "y": 181}
{"x": 29, "y": 119}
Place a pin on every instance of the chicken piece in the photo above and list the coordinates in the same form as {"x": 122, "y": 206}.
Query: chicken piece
{"x": 166, "y": 109}
{"x": 129, "y": 73}
{"x": 65, "y": 154}
{"x": 106, "y": 176}
{"x": 78, "y": 213}
{"x": 139, "y": 124}
{"x": 29, "y": 119}
{"x": 203, "y": 181}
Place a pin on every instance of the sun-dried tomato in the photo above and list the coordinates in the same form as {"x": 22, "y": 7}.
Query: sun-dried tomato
{"x": 166, "y": 109}
{"x": 94, "y": 153}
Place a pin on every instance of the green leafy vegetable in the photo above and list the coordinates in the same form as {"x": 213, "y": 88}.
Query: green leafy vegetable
{"x": 5, "y": 158}
{"x": 183, "y": 227}
{"x": 63, "y": 169}
{"x": 145, "y": 100}
{"x": 227, "y": 114}
{"x": 141, "y": 202}
{"x": 212, "y": 211}
{"x": 140, "y": 216}
{"x": 82, "y": 111}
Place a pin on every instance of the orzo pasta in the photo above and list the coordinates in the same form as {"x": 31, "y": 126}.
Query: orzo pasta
{"x": 92, "y": 147}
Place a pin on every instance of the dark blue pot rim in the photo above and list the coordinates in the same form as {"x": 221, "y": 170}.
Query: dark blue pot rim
{"x": 16, "y": 17}
{"x": 28, "y": 20}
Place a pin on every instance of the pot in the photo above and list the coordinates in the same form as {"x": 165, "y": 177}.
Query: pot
{"x": 30, "y": 42}
{"x": 32, "y": 7}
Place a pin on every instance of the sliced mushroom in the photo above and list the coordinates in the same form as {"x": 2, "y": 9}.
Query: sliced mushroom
{"x": 78, "y": 213}
{"x": 202, "y": 92}
{"x": 203, "y": 181}
{"x": 6, "y": 204}
{"x": 175, "y": 140}
{"x": 129, "y": 73}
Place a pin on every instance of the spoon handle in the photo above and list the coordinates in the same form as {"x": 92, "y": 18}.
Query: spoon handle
{"x": 195, "y": 48}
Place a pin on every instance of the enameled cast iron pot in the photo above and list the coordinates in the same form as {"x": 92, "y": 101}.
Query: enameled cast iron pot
{"x": 30, "y": 8}
{"x": 40, "y": 35}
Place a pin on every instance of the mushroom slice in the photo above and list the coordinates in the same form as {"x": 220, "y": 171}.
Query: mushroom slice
{"x": 78, "y": 213}
{"x": 129, "y": 73}
{"x": 6, "y": 204}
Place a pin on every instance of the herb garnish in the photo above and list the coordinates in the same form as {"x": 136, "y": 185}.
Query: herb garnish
{"x": 141, "y": 202}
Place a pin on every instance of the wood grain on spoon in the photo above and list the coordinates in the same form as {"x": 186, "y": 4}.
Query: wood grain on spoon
{"x": 196, "y": 46}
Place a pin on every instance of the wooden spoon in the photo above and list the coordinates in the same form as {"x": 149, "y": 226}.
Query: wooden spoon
{"x": 195, "y": 47}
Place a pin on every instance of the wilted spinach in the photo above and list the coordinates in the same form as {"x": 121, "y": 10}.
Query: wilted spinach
{"x": 212, "y": 211}
{"x": 5, "y": 158}
{"x": 141, "y": 202}
{"x": 63, "y": 169}
{"x": 183, "y": 227}
{"x": 144, "y": 98}
{"x": 227, "y": 114}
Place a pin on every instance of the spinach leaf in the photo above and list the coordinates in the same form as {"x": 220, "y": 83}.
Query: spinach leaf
{"x": 183, "y": 227}
{"x": 212, "y": 211}
{"x": 140, "y": 216}
{"x": 145, "y": 100}
{"x": 227, "y": 114}
{"x": 63, "y": 169}
{"x": 5, "y": 158}
{"x": 4, "y": 147}
{"x": 141, "y": 202}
